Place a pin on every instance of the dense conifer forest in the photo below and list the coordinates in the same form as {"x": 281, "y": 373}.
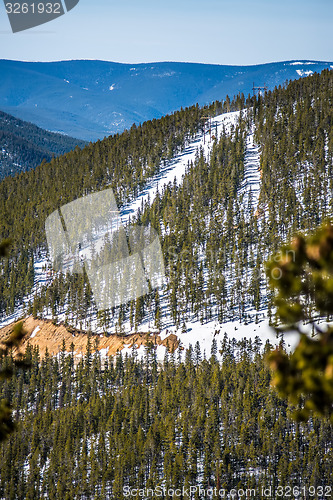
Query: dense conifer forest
{"x": 91, "y": 431}
{"x": 213, "y": 246}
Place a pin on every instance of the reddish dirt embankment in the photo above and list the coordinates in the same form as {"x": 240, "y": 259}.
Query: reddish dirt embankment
{"x": 46, "y": 335}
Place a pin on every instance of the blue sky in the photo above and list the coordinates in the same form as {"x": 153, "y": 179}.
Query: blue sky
{"x": 207, "y": 31}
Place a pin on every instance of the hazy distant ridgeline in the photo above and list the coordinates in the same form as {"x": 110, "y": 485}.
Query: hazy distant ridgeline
{"x": 92, "y": 99}
{"x": 24, "y": 146}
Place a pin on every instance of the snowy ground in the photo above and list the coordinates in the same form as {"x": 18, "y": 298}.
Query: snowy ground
{"x": 251, "y": 183}
{"x": 205, "y": 334}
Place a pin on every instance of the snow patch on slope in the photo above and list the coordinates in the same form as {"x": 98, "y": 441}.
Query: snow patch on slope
{"x": 251, "y": 183}
{"x": 302, "y": 72}
{"x": 34, "y": 333}
{"x": 175, "y": 168}
{"x": 300, "y": 63}
{"x": 207, "y": 333}
{"x": 42, "y": 277}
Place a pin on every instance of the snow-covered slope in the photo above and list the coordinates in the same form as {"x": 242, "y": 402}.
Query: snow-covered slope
{"x": 251, "y": 183}
{"x": 175, "y": 168}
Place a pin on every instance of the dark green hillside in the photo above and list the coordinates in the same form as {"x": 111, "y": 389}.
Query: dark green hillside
{"x": 23, "y": 145}
{"x": 90, "y": 432}
{"x": 122, "y": 161}
{"x": 295, "y": 130}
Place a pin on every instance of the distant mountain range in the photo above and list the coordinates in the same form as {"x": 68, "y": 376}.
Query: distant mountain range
{"x": 93, "y": 99}
{"x": 24, "y": 146}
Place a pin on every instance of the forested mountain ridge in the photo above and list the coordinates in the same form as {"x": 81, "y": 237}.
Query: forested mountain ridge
{"x": 24, "y": 146}
{"x": 215, "y": 232}
{"x": 204, "y": 416}
{"x": 104, "y": 429}
{"x": 93, "y": 99}
{"x": 123, "y": 162}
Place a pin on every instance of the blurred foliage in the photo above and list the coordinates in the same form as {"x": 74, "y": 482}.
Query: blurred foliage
{"x": 6, "y": 370}
{"x": 302, "y": 276}
{"x": 4, "y": 248}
